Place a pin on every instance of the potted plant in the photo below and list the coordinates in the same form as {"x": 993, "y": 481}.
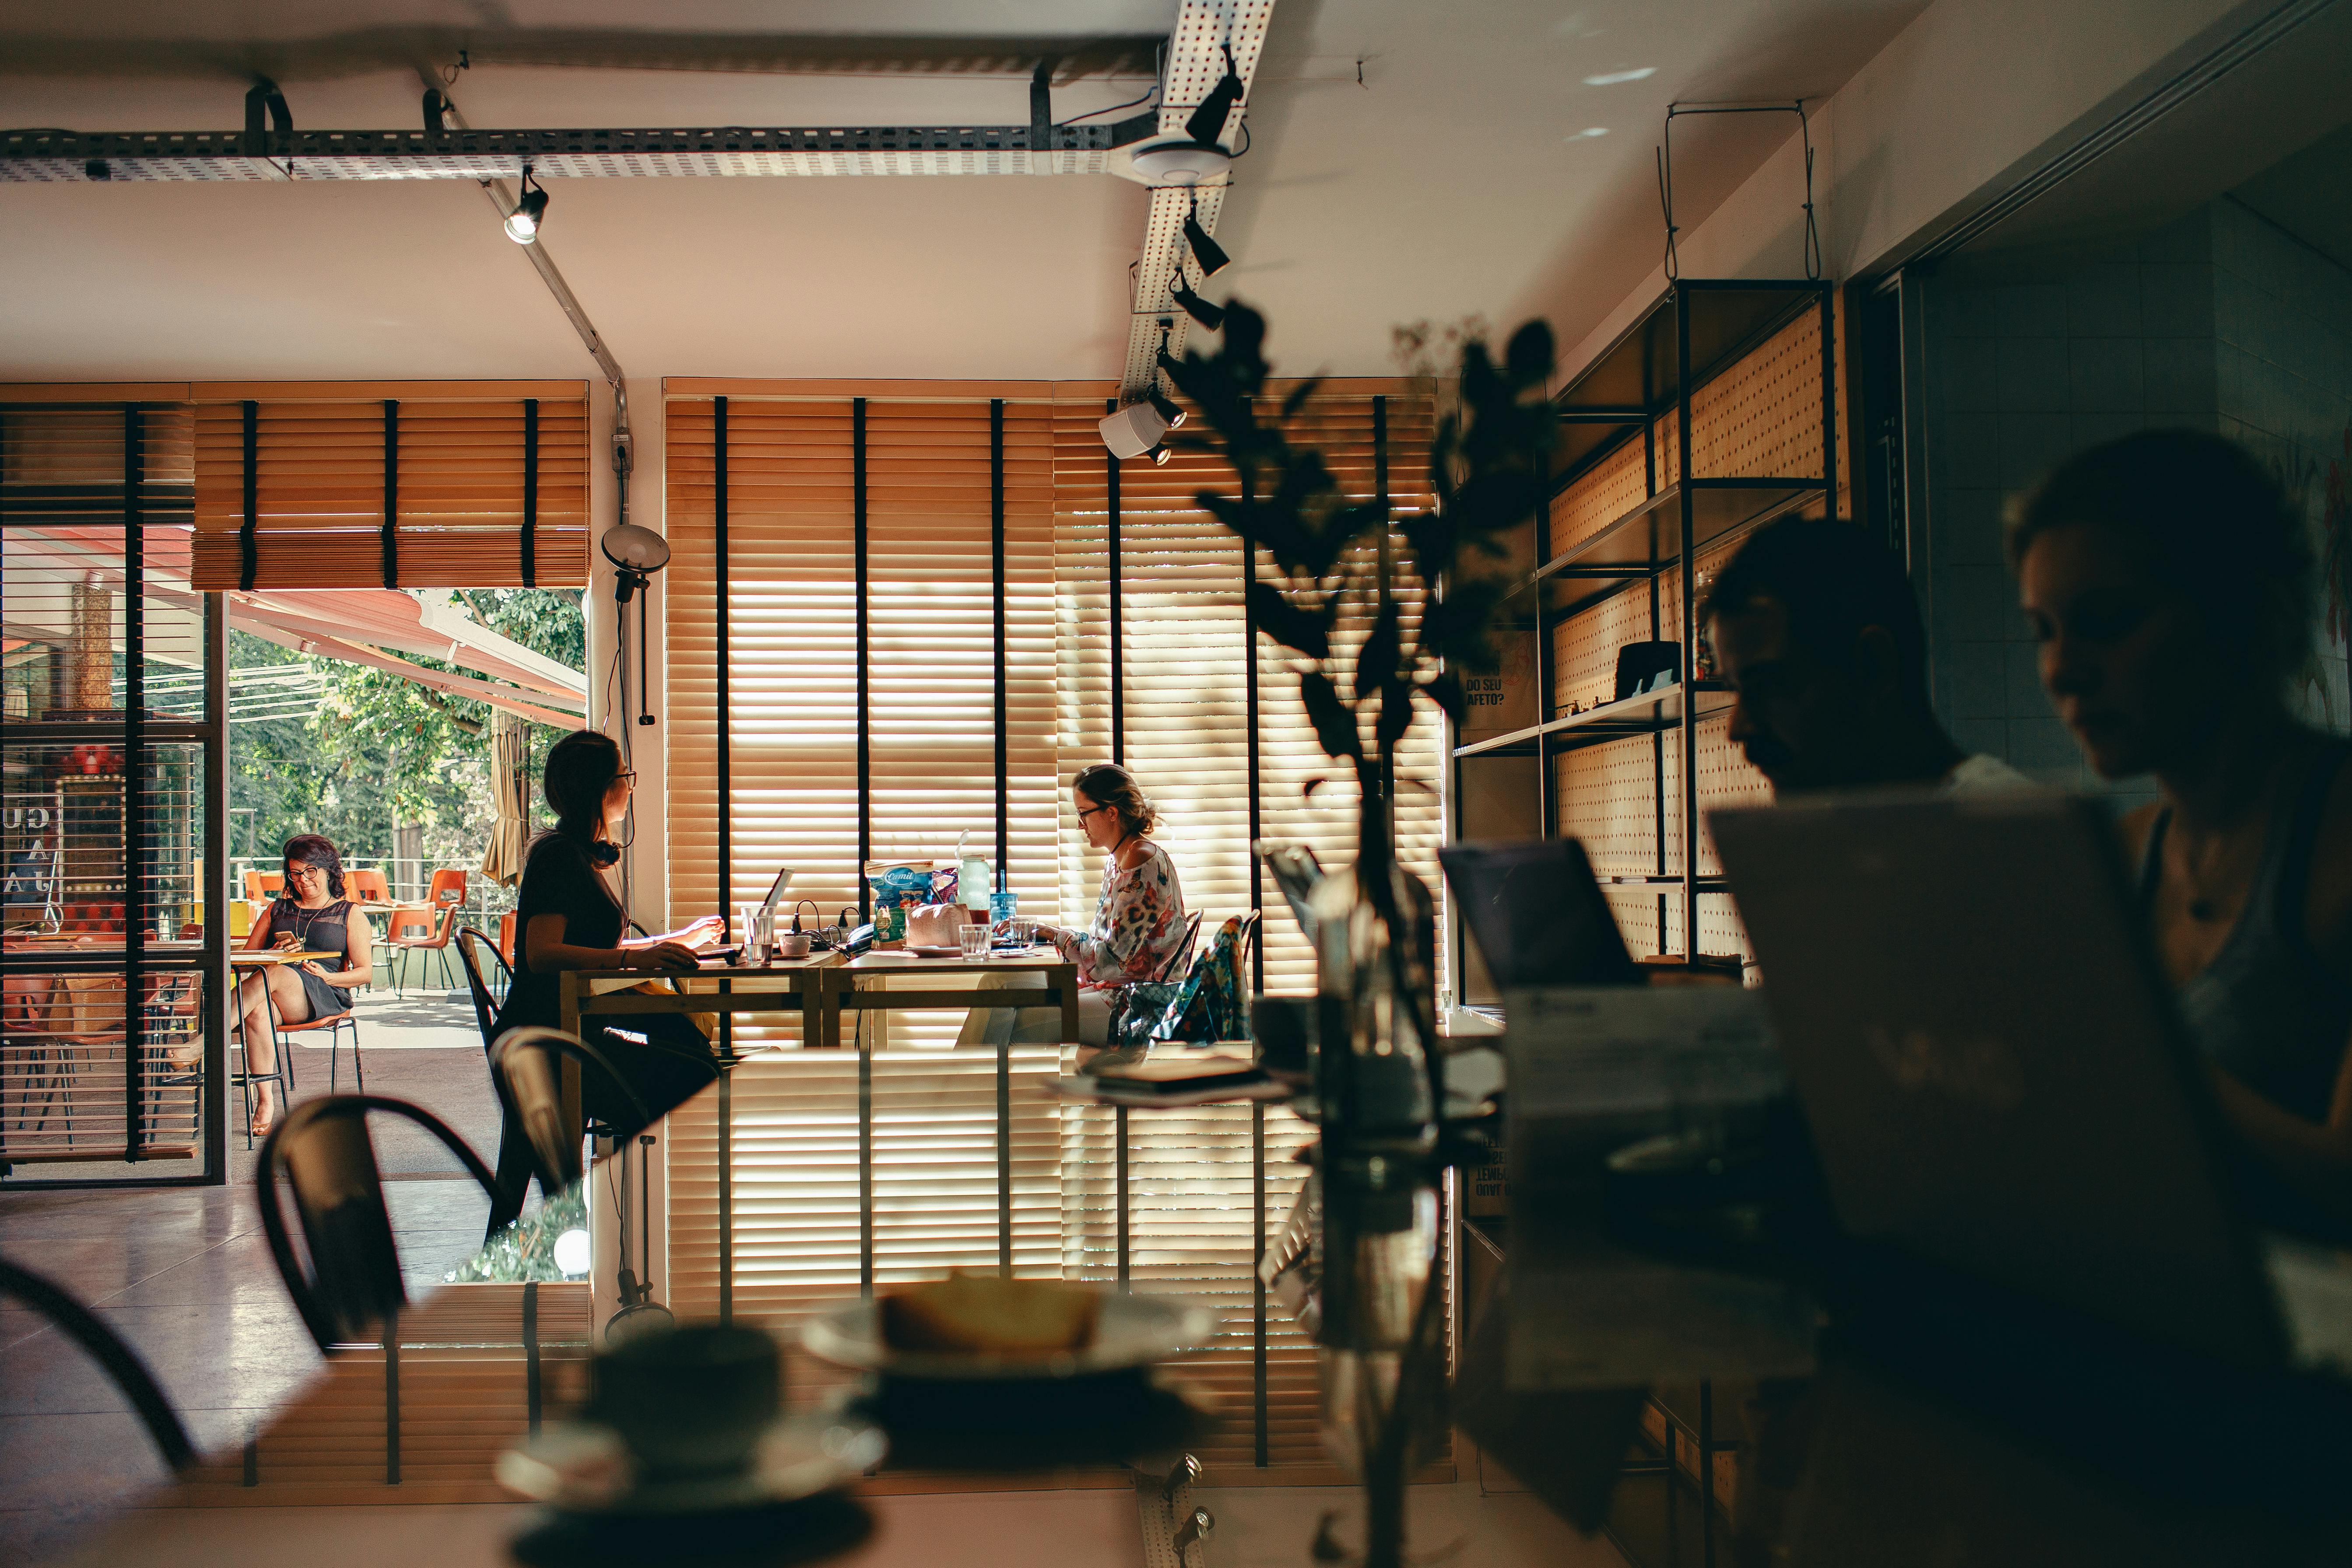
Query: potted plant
{"x": 1428, "y": 581}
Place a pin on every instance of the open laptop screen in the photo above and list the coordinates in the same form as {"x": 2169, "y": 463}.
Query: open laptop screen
{"x": 1538, "y": 915}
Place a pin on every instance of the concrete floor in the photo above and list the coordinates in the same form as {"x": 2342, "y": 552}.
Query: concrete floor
{"x": 185, "y": 1276}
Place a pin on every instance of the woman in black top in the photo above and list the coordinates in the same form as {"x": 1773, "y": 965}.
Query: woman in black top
{"x": 311, "y": 916}
{"x": 2169, "y": 581}
{"x": 566, "y": 917}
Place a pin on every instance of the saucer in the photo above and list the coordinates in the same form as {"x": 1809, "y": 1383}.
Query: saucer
{"x": 580, "y": 1466}
{"x": 1130, "y": 1331}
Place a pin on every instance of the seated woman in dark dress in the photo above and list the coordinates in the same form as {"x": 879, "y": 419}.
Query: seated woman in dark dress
{"x": 2169, "y": 582}
{"x": 566, "y": 917}
{"x": 310, "y": 916}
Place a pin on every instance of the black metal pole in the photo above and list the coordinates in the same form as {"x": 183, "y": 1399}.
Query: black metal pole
{"x": 134, "y": 790}
{"x": 1117, "y": 627}
{"x": 530, "y": 493}
{"x": 1689, "y": 657}
{"x": 1003, "y": 704}
{"x": 213, "y": 894}
{"x": 718, "y": 562}
{"x": 864, "y": 661}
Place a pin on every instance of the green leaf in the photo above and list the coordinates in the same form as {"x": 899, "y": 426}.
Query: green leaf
{"x": 1300, "y": 395}
{"x": 1376, "y": 661}
{"x": 1530, "y": 356}
{"x": 1307, "y": 631}
{"x": 1445, "y": 690}
{"x": 1396, "y": 713}
{"x": 1335, "y": 725}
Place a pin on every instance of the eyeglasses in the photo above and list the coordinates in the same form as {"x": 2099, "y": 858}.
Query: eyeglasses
{"x": 1090, "y": 810}
{"x": 627, "y": 776}
{"x": 306, "y": 873}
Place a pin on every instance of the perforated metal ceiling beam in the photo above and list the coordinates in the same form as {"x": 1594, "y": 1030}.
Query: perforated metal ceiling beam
{"x": 50, "y": 156}
{"x": 1196, "y": 60}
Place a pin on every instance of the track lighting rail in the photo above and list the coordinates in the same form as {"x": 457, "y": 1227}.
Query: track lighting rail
{"x": 733, "y": 151}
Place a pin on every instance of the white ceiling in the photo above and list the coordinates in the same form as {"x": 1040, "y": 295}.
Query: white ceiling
{"x": 1458, "y": 179}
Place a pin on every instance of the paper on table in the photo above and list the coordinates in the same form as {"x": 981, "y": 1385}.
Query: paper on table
{"x": 1592, "y": 1070}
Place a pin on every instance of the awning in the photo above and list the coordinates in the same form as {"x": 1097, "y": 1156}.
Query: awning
{"x": 361, "y": 625}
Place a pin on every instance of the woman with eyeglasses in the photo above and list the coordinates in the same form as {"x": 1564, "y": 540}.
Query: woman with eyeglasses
{"x": 1139, "y": 923}
{"x": 567, "y": 916}
{"x": 310, "y": 916}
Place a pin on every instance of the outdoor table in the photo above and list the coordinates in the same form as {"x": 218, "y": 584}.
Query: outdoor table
{"x": 239, "y": 958}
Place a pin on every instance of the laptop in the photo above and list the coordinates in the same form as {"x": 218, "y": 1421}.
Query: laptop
{"x": 1538, "y": 915}
{"x": 776, "y": 891}
{"x": 1997, "y": 1082}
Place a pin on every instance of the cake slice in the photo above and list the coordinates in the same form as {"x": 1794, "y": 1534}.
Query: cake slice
{"x": 987, "y": 1314}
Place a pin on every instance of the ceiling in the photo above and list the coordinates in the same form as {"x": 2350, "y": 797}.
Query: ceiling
{"x": 1471, "y": 171}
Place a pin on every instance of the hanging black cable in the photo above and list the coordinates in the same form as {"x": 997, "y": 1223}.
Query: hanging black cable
{"x": 1665, "y": 161}
{"x": 530, "y": 493}
{"x": 246, "y": 544}
{"x": 1118, "y": 649}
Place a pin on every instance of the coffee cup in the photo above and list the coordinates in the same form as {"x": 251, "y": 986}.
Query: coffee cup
{"x": 693, "y": 1401}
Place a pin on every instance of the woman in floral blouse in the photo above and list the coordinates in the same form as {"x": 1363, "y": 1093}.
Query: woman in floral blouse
{"x": 1139, "y": 923}
{"x": 1139, "y": 918}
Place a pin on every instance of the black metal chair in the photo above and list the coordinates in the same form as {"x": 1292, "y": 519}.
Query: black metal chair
{"x": 526, "y": 1066}
{"x": 109, "y": 1350}
{"x": 515, "y": 1170}
{"x": 323, "y": 1149}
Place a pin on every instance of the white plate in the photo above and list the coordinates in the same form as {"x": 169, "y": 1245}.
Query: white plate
{"x": 1130, "y": 1331}
{"x": 930, "y": 950}
{"x": 583, "y": 1467}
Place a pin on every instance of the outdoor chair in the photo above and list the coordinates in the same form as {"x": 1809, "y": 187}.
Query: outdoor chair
{"x": 367, "y": 887}
{"x": 324, "y": 1151}
{"x": 437, "y": 924}
{"x": 527, "y": 1070}
{"x": 260, "y": 887}
{"x": 110, "y": 1352}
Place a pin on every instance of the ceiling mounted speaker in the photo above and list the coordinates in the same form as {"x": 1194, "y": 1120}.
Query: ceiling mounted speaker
{"x": 1180, "y": 162}
{"x": 1133, "y": 430}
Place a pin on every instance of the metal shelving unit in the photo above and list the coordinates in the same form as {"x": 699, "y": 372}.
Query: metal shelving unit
{"x": 1640, "y": 389}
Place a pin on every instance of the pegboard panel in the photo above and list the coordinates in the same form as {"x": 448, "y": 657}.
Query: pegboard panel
{"x": 1584, "y": 648}
{"x": 1607, "y": 796}
{"x": 1637, "y": 919}
{"x": 1725, "y": 778}
{"x": 1600, "y": 494}
{"x": 1762, "y": 416}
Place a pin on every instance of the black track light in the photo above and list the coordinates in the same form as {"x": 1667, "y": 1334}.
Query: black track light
{"x": 1166, "y": 407}
{"x": 1202, "y": 310}
{"x": 1208, "y": 121}
{"x": 530, "y": 211}
{"x": 1159, "y": 453}
{"x": 1206, "y": 251}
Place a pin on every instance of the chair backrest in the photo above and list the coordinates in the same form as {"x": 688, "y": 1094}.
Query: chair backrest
{"x": 472, "y": 945}
{"x": 526, "y": 1066}
{"x": 507, "y": 938}
{"x": 109, "y": 1350}
{"x": 324, "y": 1151}
{"x": 1181, "y": 954}
{"x": 411, "y": 922}
{"x": 369, "y": 886}
{"x": 449, "y": 887}
{"x": 262, "y": 886}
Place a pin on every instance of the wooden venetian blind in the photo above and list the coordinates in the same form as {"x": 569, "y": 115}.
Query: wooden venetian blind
{"x": 934, "y": 480}
{"x": 398, "y": 484}
{"x": 1184, "y": 699}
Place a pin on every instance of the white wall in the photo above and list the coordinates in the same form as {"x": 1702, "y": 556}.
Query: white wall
{"x": 1967, "y": 98}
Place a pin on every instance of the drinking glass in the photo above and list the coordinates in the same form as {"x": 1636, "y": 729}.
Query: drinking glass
{"x": 973, "y": 941}
{"x": 754, "y": 939}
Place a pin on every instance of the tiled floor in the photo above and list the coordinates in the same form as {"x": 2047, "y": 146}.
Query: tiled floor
{"x": 185, "y": 1276}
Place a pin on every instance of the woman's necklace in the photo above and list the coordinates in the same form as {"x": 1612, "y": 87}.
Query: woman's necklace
{"x": 302, "y": 927}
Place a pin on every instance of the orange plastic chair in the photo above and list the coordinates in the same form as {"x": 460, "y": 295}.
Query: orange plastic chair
{"x": 412, "y": 920}
{"x": 368, "y": 887}
{"x": 448, "y": 887}
{"x": 260, "y": 887}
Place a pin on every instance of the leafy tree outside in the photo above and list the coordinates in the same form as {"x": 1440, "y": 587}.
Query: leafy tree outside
{"x": 381, "y": 750}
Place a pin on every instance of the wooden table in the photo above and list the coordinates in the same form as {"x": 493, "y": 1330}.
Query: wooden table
{"x": 241, "y": 958}
{"x": 823, "y": 986}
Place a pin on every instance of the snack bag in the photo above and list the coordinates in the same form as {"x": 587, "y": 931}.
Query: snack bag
{"x": 896, "y": 883}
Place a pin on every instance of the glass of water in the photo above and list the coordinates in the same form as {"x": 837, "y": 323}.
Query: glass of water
{"x": 973, "y": 941}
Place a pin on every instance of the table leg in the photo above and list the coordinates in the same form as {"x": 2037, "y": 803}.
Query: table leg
{"x": 1065, "y": 981}
{"x": 568, "y": 1068}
